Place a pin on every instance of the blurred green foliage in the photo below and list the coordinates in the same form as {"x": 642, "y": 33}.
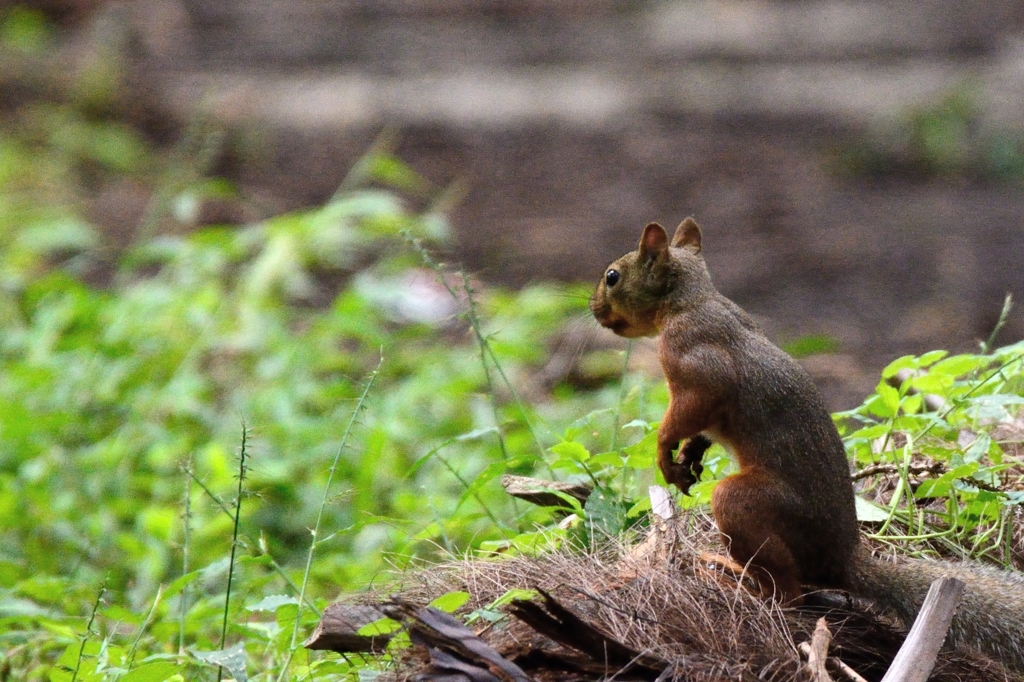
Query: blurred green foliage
{"x": 947, "y": 138}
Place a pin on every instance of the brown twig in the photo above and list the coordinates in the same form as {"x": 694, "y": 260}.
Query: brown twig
{"x": 933, "y": 469}
{"x": 837, "y": 666}
{"x": 817, "y": 652}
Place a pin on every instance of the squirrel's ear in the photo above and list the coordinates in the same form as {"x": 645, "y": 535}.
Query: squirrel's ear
{"x": 653, "y": 242}
{"x": 687, "y": 236}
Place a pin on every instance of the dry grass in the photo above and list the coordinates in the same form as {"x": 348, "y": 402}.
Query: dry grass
{"x": 661, "y": 599}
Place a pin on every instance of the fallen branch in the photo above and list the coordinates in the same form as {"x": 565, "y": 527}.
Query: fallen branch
{"x": 933, "y": 469}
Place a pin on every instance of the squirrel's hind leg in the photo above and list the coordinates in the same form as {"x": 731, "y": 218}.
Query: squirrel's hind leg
{"x": 746, "y": 507}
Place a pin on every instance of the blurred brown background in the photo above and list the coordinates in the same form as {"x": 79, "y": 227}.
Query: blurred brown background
{"x": 857, "y": 165}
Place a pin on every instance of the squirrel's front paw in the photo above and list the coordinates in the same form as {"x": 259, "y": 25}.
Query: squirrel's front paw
{"x": 681, "y": 476}
{"x": 685, "y": 473}
{"x": 692, "y": 453}
{"x": 689, "y": 478}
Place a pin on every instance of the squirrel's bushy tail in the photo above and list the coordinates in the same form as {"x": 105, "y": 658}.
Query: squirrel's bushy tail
{"x": 989, "y": 617}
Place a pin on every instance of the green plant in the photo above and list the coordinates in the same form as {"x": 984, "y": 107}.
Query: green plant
{"x": 119, "y": 402}
{"x": 937, "y": 431}
{"x": 946, "y": 138}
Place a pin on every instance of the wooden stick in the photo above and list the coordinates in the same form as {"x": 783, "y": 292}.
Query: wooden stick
{"x": 837, "y": 665}
{"x": 817, "y": 652}
{"x": 846, "y": 670}
{"x": 916, "y": 658}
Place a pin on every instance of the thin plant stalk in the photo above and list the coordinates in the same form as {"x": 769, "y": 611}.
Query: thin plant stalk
{"x": 315, "y": 532}
{"x": 361, "y": 170}
{"x": 145, "y": 626}
{"x": 88, "y": 630}
{"x": 474, "y": 323}
{"x": 622, "y": 396}
{"x": 485, "y": 347}
{"x": 468, "y": 487}
{"x": 186, "y": 542}
{"x": 974, "y": 389}
{"x": 234, "y": 543}
{"x": 261, "y": 544}
{"x": 190, "y": 161}
{"x": 986, "y": 347}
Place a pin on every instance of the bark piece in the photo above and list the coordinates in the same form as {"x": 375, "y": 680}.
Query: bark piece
{"x": 544, "y": 493}
{"x": 337, "y": 630}
{"x": 454, "y": 649}
{"x": 563, "y": 626}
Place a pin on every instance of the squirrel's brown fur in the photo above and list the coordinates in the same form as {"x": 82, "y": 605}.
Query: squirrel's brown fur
{"x": 788, "y": 514}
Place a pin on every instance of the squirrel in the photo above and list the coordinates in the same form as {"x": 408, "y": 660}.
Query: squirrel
{"x": 788, "y": 515}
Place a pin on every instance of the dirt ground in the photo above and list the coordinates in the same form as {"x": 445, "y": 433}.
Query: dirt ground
{"x": 568, "y": 126}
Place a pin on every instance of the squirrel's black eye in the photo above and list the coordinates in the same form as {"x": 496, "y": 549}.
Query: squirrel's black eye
{"x": 612, "y": 277}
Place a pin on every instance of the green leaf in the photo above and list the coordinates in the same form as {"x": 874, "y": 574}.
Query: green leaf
{"x": 640, "y": 455}
{"x": 158, "y": 671}
{"x": 637, "y": 424}
{"x": 941, "y": 486}
{"x": 571, "y": 450}
{"x": 912, "y": 404}
{"x": 179, "y": 583}
{"x": 231, "y": 659}
{"x": 392, "y": 171}
{"x": 933, "y": 382}
{"x": 905, "y": 362}
{"x": 978, "y": 449}
{"x": 272, "y": 603}
{"x": 642, "y": 506}
{"x": 958, "y": 365}
{"x": 80, "y": 656}
{"x": 477, "y": 433}
{"x": 890, "y": 400}
{"x": 869, "y": 512}
{"x": 450, "y": 601}
{"x": 381, "y": 626}
{"x": 605, "y": 513}
{"x": 931, "y": 357}
{"x": 871, "y": 432}
{"x": 515, "y": 594}
{"x": 812, "y": 345}
{"x": 607, "y": 459}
